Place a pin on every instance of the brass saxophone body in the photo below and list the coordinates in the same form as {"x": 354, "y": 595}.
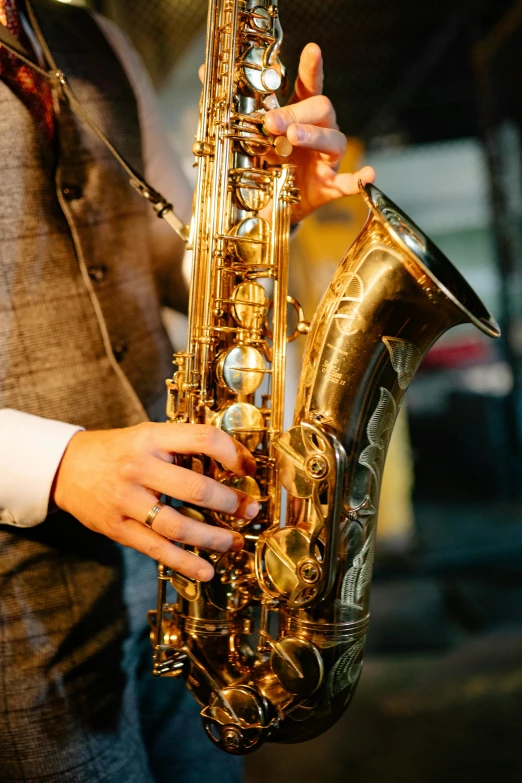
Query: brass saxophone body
{"x": 272, "y": 647}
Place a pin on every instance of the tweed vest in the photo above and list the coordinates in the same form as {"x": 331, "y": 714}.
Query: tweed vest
{"x": 80, "y": 333}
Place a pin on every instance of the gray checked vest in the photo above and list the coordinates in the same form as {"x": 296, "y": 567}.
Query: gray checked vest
{"x": 80, "y": 341}
{"x": 80, "y": 333}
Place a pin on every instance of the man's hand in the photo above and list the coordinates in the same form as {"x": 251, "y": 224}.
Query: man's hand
{"x": 308, "y": 120}
{"x": 110, "y": 479}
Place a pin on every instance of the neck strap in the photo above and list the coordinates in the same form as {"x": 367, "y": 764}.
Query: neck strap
{"x": 57, "y": 80}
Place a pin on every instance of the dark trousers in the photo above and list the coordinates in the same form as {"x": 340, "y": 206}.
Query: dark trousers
{"x": 78, "y": 703}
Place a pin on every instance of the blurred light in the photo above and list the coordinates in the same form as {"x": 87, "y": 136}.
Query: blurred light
{"x": 494, "y": 379}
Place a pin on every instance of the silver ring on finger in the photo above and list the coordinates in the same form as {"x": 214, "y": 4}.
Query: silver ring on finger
{"x": 153, "y": 513}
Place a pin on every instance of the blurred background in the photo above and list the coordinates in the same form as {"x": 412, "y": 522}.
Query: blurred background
{"x": 430, "y": 94}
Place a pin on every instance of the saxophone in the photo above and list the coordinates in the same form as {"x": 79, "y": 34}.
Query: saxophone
{"x": 272, "y": 647}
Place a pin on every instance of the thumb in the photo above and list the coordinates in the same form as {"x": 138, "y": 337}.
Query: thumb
{"x": 348, "y": 184}
{"x": 310, "y": 75}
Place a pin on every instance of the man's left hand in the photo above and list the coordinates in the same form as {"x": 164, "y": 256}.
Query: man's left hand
{"x": 309, "y": 123}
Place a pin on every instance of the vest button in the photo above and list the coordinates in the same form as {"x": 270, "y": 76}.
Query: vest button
{"x": 97, "y": 273}
{"x": 72, "y": 192}
{"x": 119, "y": 350}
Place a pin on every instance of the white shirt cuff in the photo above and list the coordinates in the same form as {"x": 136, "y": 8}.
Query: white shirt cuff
{"x": 31, "y": 449}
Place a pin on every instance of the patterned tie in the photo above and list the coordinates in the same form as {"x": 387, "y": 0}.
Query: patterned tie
{"x": 28, "y": 85}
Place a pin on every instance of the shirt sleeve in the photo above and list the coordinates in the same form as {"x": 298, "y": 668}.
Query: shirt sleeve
{"x": 31, "y": 449}
{"x": 162, "y": 170}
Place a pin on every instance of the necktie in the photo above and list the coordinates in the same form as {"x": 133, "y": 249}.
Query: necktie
{"x": 29, "y": 86}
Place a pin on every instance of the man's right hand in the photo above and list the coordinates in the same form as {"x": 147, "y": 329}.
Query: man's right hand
{"x": 110, "y": 479}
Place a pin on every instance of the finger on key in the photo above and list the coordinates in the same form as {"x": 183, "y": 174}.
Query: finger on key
{"x": 205, "y": 439}
{"x": 317, "y": 110}
{"x": 136, "y": 535}
{"x": 173, "y": 525}
{"x": 332, "y": 143}
{"x": 191, "y": 487}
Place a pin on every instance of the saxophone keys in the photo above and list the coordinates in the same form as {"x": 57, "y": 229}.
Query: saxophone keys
{"x": 252, "y": 188}
{"x": 284, "y": 550}
{"x": 257, "y": 75}
{"x": 173, "y": 400}
{"x": 260, "y": 19}
{"x": 250, "y": 487}
{"x": 240, "y": 369}
{"x": 298, "y": 665}
{"x": 235, "y": 581}
{"x": 244, "y": 422}
{"x": 187, "y": 588}
{"x": 235, "y": 719}
{"x": 292, "y": 455}
{"x": 251, "y": 238}
{"x": 250, "y": 305}
{"x": 283, "y": 146}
